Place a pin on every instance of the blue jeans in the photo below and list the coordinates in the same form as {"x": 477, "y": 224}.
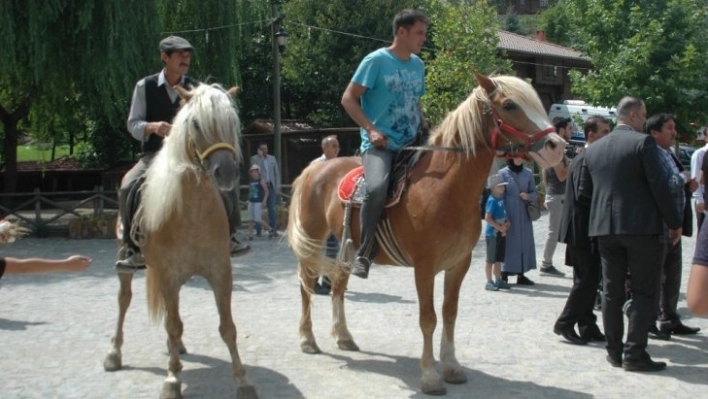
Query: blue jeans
{"x": 272, "y": 217}
{"x": 377, "y": 171}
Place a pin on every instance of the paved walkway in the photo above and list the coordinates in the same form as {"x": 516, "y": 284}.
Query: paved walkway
{"x": 56, "y": 329}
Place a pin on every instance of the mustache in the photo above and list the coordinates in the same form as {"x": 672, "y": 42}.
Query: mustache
{"x": 183, "y": 64}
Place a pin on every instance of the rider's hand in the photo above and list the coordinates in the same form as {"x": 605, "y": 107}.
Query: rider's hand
{"x": 377, "y": 138}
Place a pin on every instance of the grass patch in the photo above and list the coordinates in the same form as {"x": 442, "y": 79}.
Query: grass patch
{"x": 36, "y": 153}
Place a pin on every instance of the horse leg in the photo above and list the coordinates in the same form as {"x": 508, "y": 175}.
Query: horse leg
{"x": 431, "y": 382}
{"x": 308, "y": 344}
{"x": 340, "y": 332}
{"x": 452, "y": 371}
{"x": 113, "y": 360}
{"x": 172, "y": 386}
{"x": 222, "y": 287}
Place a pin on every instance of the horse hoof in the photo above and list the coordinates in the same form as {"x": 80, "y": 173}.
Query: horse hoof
{"x": 310, "y": 348}
{"x": 454, "y": 376}
{"x": 171, "y": 390}
{"x": 246, "y": 392}
{"x": 435, "y": 391}
{"x": 348, "y": 345}
{"x": 432, "y": 384}
{"x": 112, "y": 362}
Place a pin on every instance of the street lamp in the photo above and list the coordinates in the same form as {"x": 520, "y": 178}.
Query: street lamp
{"x": 282, "y": 38}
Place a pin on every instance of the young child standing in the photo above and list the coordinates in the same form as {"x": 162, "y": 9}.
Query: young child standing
{"x": 257, "y": 197}
{"x": 495, "y": 232}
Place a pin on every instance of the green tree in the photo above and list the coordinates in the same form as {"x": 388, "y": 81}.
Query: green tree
{"x": 465, "y": 37}
{"x": 653, "y": 49}
{"x": 554, "y": 21}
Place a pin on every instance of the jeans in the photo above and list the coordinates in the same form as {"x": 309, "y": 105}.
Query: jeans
{"x": 377, "y": 171}
{"x": 272, "y": 217}
{"x": 554, "y": 203}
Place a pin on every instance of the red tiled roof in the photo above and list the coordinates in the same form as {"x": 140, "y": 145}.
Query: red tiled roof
{"x": 521, "y": 44}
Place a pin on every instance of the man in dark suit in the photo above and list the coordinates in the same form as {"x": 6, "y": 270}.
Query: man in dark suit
{"x": 663, "y": 128}
{"x": 623, "y": 180}
{"x": 580, "y": 252}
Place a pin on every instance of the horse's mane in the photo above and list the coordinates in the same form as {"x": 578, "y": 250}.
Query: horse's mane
{"x": 209, "y": 117}
{"x": 468, "y": 118}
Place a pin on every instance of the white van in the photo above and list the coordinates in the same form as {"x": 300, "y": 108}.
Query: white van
{"x": 575, "y": 109}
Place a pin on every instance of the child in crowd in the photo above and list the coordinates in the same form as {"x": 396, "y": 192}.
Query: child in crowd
{"x": 257, "y": 199}
{"x": 495, "y": 232}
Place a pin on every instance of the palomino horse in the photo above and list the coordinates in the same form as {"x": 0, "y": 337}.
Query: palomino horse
{"x": 436, "y": 223}
{"x": 184, "y": 227}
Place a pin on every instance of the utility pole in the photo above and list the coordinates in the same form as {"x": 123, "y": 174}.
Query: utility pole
{"x": 275, "y": 28}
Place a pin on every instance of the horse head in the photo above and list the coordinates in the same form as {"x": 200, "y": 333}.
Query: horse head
{"x": 520, "y": 124}
{"x": 212, "y": 127}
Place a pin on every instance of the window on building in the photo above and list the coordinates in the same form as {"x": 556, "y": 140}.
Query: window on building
{"x": 543, "y": 3}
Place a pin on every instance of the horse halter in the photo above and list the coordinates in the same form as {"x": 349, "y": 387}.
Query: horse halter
{"x": 203, "y": 155}
{"x": 502, "y": 129}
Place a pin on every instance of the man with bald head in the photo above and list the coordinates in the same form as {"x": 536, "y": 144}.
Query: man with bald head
{"x": 627, "y": 188}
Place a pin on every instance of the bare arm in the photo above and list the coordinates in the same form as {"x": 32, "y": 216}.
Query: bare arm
{"x": 265, "y": 191}
{"x": 350, "y": 102}
{"x": 75, "y": 263}
{"x": 697, "y": 291}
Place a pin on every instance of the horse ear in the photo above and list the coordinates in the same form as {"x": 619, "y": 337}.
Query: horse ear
{"x": 183, "y": 94}
{"x": 485, "y": 82}
{"x": 233, "y": 92}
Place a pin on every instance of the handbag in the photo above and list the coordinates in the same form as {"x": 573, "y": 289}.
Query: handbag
{"x": 531, "y": 207}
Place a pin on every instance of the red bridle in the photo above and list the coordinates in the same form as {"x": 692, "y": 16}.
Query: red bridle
{"x": 502, "y": 129}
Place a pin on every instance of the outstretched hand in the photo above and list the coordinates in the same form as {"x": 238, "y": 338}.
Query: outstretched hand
{"x": 78, "y": 263}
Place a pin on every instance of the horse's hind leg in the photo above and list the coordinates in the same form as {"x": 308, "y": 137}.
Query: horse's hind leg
{"x": 222, "y": 287}
{"x": 308, "y": 344}
{"x": 113, "y": 360}
{"x": 172, "y": 387}
{"x": 452, "y": 371}
{"x": 340, "y": 332}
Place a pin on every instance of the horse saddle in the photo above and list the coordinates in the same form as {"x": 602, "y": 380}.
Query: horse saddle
{"x": 352, "y": 188}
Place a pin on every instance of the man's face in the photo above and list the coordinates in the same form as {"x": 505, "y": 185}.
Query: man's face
{"x": 414, "y": 37}
{"x": 178, "y": 61}
{"x": 666, "y": 137}
{"x": 263, "y": 149}
{"x": 331, "y": 149}
{"x": 602, "y": 130}
{"x": 567, "y": 133}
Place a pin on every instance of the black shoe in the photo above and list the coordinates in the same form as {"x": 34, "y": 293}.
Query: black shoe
{"x": 322, "y": 289}
{"x": 360, "y": 267}
{"x": 680, "y": 329}
{"x": 643, "y": 364}
{"x": 592, "y": 334}
{"x": 655, "y": 333}
{"x": 551, "y": 271}
{"x": 614, "y": 361}
{"x": 570, "y": 336}
{"x": 523, "y": 280}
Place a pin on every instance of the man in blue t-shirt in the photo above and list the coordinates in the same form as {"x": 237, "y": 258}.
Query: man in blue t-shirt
{"x": 383, "y": 98}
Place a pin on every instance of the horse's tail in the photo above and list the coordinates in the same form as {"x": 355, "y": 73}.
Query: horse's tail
{"x": 309, "y": 251}
{"x": 155, "y": 300}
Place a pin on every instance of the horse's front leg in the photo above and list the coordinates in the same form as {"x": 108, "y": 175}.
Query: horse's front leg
{"x": 308, "y": 344}
{"x": 452, "y": 371}
{"x": 340, "y": 331}
{"x": 113, "y": 360}
{"x": 431, "y": 382}
{"x": 172, "y": 386}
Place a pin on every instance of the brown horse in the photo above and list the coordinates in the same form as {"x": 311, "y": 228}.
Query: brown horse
{"x": 436, "y": 224}
{"x": 184, "y": 227}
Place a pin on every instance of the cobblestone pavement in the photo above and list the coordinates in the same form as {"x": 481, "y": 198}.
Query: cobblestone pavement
{"x": 56, "y": 329}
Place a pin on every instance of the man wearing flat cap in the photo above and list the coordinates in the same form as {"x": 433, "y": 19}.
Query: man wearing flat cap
{"x": 155, "y": 103}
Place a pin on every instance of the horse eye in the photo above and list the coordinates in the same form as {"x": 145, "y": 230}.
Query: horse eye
{"x": 510, "y": 106}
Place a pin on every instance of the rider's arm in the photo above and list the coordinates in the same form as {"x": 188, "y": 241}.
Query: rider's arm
{"x": 138, "y": 127}
{"x": 351, "y": 104}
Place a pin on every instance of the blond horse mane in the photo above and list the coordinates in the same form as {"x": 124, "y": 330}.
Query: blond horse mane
{"x": 464, "y": 127}
{"x": 207, "y": 118}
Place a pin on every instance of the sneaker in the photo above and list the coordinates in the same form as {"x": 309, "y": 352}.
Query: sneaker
{"x": 133, "y": 260}
{"x": 360, "y": 267}
{"x": 502, "y": 285}
{"x": 551, "y": 271}
{"x": 238, "y": 248}
{"x": 490, "y": 286}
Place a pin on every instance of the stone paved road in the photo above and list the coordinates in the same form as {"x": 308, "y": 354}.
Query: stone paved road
{"x": 56, "y": 329}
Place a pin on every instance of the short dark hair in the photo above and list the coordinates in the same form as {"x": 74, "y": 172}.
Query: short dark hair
{"x": 656, "y": 122}
{"x": 260, "y": 143}
{"x": 560, "y": 123}
{"x": 407, "y": 18}
{"x": 628, "y": 105}
{"x": 591, "y": 124}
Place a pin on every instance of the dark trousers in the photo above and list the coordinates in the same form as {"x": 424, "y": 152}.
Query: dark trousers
{"x": 670, "y": 286}
{"x": 581, "y": 300}
{"x": 272, "y": 217}
{"x": 700, "y": 216}
{"x": 640, "y": 256}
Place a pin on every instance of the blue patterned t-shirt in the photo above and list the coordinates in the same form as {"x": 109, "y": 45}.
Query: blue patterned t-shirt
{"x": 393, "y": 89}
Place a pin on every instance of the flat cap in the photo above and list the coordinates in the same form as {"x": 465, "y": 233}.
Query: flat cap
{"x": 175, "y": 43}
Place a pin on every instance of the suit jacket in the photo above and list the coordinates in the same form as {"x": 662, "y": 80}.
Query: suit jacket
{"x": 687, "y": 229}
{"x": 575, "y": 219}
{"x": 629, "y": 189}
{"x": 269, "y": 164}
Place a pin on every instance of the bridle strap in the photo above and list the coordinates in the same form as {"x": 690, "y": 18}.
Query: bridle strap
{"x": 202, "y": 156}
